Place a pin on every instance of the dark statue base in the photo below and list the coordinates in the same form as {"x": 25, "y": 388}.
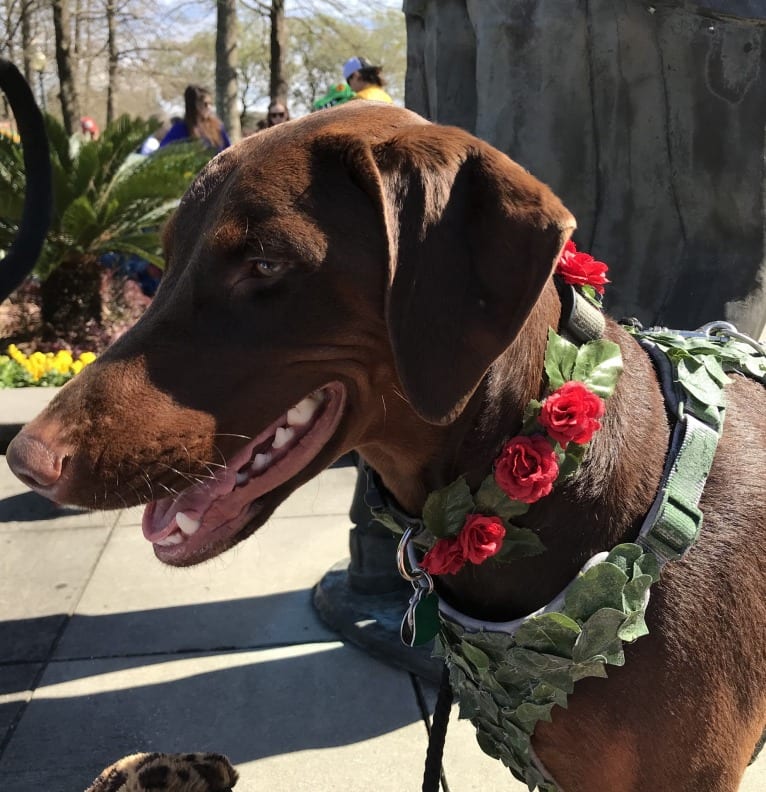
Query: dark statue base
{"x": 371, "y": 622}
{"x": 364, "y": 598}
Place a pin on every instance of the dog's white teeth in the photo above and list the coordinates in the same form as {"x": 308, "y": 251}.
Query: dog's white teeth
{"x": 242, "y": 478}
{"x": 187, "y": 524}
{"x": 260, "y": 462}
{"x": 303, "y": 412}
{"x": 282, "y": 437}
{"x": 174, "y": 539}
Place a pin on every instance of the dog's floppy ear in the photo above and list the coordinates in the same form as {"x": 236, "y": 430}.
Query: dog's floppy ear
{"x": 473, "y": 239}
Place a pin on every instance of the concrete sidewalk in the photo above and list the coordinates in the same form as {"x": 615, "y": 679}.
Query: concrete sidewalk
{"x": 104, "y": 652}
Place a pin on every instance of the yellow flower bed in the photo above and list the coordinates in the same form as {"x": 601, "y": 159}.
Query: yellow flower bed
{"x": 18, "y": 370}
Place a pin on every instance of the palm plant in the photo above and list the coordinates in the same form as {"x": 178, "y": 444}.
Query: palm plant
{"x": 107, "y": 199}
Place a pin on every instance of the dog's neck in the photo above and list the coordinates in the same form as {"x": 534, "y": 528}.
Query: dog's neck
{"x": 602, "y": 506}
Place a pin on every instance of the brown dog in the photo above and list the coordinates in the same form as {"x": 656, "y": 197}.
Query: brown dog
{"x": 361, "y": 279}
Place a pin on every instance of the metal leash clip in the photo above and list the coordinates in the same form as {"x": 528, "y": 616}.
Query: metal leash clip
{"x": 421, "y": 619}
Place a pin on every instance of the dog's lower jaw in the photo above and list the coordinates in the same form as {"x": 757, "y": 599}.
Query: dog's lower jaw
{"x": 208, "y": 518}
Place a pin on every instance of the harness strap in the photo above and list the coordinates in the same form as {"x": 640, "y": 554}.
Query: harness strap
{"x": 673, "y": 522}
{"x": 580, "y": 319}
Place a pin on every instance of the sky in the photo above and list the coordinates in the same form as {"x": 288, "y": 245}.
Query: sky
{"x": 196, "y": 14}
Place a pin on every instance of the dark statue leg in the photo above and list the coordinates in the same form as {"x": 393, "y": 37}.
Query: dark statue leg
{"x": 364, "y": 598}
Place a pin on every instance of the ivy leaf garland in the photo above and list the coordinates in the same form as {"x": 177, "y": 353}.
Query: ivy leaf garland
{"x": 507, "y": 683}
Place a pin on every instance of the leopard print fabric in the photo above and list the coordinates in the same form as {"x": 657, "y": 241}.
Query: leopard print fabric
{"x": 159, "y": 772}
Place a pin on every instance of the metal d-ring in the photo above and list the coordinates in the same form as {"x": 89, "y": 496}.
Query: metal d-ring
{"x": 407, "y": 564}
{"x": 721, "y": 328}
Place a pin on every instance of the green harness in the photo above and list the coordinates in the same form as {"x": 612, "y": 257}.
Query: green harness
{"x": 508, "y": 676}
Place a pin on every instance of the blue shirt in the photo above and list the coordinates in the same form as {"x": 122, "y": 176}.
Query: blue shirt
{"x": 179, "y": 131}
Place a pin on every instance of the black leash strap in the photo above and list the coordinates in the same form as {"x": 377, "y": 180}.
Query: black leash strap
{"x": 438, "y": 733}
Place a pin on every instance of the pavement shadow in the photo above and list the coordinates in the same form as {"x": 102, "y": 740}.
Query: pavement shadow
{"x": 143, "y": 637}
{"x": 329, "y": 696}
{"x": 31, "y": 507}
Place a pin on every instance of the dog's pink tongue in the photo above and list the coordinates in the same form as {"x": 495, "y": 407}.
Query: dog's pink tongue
{"x": 159, "y": 519}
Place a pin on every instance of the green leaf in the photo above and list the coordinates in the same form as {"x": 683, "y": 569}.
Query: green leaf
{"x": 633, "y": 627}
{"x": 445, "y": 509}
{"x": 634, "y": 594}
{"x": 519, "y": 543}
{"x": 592, "y": 668}
{"x": 386, "y": 520}
{"x": 560, "y": 358}
{"x": 543, "y": 667}
{"x": 475, "y": 704}
{"x": 478, "y": 659}
{"x": 599, "y": 637}
{"x": 529, "y": 424}
{"x": 715, "y": 370}
{"x": 551, "y": 633}
{"x": 695, "y": 379}
{"x": 590, "y": 294}
{"x": 599, "y": 365}
{"x": 599, "y": 587}
{"x": 647, "y": 565}
{"x": 490, "y": 499}
{"x": 528, "y": 715}
{"x": 494, "y": 645}
{"x": 625, "y": 555}
{"x": 544, "y": 693}
{"x": 572, "y": 460}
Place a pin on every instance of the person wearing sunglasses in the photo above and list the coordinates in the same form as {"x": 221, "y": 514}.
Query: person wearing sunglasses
{"x": 277, "y": 113}
{"x": 199, "y": 121}
{"x": 365, "y": 80}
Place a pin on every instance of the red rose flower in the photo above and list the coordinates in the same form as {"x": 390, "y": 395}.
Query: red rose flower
{"x": 581, "y": 269}
{"x": 527, "y": 468}
{"x": 571, "y": 413}
{"x": 444, "y": 558}
{"x": 481, "y": 537}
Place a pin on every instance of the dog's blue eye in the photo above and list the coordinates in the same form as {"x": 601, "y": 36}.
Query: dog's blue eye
{"x": 267, "y": 269}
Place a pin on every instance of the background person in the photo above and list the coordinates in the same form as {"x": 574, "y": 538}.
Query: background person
{"x": 89, "y": 128}
{"x": 199, "y": 121}
{"x": 277, "y": 113}
{"x": 365, "y": 80}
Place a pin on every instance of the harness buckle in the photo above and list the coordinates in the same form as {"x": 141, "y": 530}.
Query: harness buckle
{"x": 676, "y": 528}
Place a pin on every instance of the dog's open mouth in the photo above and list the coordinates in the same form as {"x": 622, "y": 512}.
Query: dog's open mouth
{"x": 202, "y": 520}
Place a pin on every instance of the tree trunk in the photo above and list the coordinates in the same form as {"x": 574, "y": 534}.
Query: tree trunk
{"x": 226, "y": 67}
{"x": 70, "y": 110}
{"x": 277, "y": 82}
{"x": 646, "y": 119}
{"x": 111, "y": 46}
{"x": 26, "y": 41}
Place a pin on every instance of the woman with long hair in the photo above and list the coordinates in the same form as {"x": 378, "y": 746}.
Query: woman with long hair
{"x": 199, "y": 121}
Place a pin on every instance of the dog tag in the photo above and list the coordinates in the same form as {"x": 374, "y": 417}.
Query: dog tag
{"x": 421, "y": 621}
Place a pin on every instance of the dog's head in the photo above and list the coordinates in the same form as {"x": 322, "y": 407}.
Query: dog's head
{"x": 338, "y": 281}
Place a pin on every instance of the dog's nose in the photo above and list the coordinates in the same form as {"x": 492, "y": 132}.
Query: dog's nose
{"x": 35, "y": 463}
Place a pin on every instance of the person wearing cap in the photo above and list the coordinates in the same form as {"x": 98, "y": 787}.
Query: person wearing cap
{"x": 365, "y": 80}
